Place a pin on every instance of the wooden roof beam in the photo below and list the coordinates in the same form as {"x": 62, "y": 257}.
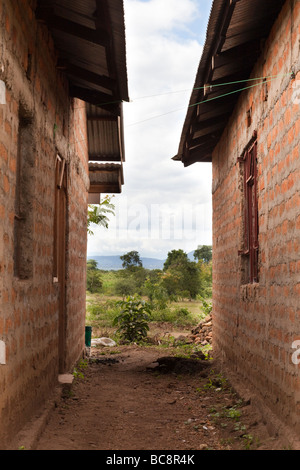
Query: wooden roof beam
{"x": 240, "y": 54}
{"x": 203, "y": 143}
{"x": 56, "y": 22}
{"x": 106, "y": 188}
{"x": 91, "y": 77}
{"x": 207, "y": 158}
{"x": 104, "y": 158}
{"x": 203, "y": 125}
{"x": 213, "y": 129}
{"x": 102, "y": 100}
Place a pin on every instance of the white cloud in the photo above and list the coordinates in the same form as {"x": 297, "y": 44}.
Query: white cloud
{"x": 158, "y": 16}
{"x": 162, "y": 59}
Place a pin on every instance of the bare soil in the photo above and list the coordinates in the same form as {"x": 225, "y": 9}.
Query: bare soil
{"x": 145, "y": 398}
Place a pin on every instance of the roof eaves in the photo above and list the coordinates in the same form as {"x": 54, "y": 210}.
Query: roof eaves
{"x": 221, "y": 64}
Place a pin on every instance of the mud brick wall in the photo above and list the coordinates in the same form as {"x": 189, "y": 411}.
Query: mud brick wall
{"x": 256, "y": 324}
{"x": 38, "y": 120}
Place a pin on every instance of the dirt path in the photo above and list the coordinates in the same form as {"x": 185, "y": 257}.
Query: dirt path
{"x": 123, "y": 404}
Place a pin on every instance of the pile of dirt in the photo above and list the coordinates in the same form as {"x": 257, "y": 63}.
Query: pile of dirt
{"x": 180, "y": 365}
{"x": 202, "y": 333}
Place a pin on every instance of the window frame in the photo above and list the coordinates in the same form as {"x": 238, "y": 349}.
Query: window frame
{"x": 60, "y": 185}
{"x": 250, "y": 250}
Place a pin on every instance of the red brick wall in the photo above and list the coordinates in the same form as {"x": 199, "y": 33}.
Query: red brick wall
{"x": 256, "y": 324}
{"x": 29, "y": 307}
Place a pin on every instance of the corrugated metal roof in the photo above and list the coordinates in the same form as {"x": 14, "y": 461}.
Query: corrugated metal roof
{"x": 105, "y": 135}
{"x": 233, "y": 45}
{"x": 89, "y": 36}
{"x": 106, "y": 178}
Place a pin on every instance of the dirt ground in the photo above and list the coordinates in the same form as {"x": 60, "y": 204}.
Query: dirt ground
{"x": 145, "y": 398}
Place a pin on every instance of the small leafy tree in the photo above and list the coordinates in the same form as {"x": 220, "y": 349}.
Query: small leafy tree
{"x": 175, "y": 258}
{"x": 131, "y": 260}
{"x": 93, "y": 277}
{"x": 203, "y": 253}
{"x": 97, "y": 214}
{"x": 133, "y": 319}
{"x": 125, "y": 287}
{"x": 181, "y": 276}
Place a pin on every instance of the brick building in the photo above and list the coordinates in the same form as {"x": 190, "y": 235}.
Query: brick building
{"x": 244, "y": 117}
{"x": 62, "y": 82}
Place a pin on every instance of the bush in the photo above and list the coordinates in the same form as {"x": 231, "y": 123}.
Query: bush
{"x": 102, "y": 315}
{"x": 125, "y": 287}
{"x": 179, "y": 316}
{"x": 94, "y": 279}
{"x": 133, "y": 319}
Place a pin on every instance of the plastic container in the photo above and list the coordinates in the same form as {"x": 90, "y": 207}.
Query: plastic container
{"x": 88, "y": 336}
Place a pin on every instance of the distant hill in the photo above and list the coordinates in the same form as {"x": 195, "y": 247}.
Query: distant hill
{"x": 113, "y": 263}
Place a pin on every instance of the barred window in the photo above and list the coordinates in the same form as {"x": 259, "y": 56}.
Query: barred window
{"x": 249, "y": 252}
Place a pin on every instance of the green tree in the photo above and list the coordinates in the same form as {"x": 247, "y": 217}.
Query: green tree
{"x": 93, "y": 277}
{"x": 175, "y": 258}
{"x": 125, "y": 287}
{"x": 97, "y": 214}
{"x": 205, "y": 278}
{"x": 203, "y": 253}
{"x": 181, "y": 276}
{"x": 131, "y": 259}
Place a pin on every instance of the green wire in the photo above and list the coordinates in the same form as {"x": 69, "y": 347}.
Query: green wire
{"x": 211, "y": 99}
{"x": 246, "y": 80}
{"x": 201, "y": 88}
{"x": 231, "y": 92}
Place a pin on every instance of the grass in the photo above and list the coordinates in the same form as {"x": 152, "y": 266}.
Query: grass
{"x": 102, "y": 309}
{"x": 172, "y": 316}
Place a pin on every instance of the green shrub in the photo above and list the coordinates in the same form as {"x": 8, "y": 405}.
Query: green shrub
{"x": 133, "y": 319}
{"x": 102, "y": 315}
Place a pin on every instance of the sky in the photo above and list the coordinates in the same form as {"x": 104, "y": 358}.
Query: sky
{"x": 163, "y": 206}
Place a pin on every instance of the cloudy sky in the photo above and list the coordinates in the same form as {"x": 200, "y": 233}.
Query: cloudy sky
{"x": 163, "y": 206}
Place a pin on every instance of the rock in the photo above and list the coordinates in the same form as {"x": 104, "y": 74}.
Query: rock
{"x": 203, "y": 446}
{"x": 203, "y": 332}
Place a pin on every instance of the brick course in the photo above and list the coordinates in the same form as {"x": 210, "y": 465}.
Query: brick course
{"x": 256, "y": 324}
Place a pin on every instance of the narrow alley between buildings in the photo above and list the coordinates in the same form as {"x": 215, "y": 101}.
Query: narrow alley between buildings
{"x": 146, "y": 398}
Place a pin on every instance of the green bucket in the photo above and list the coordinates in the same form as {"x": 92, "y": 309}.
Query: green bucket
{"x": 88, "y": 336}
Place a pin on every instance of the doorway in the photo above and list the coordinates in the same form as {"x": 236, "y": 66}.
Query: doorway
{"x": 60, "y": 250}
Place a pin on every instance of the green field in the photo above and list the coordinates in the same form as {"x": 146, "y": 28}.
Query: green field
{"x": 178, "y": 314}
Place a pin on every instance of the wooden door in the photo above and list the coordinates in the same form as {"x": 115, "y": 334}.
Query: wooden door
{"x": 60, "y": 248}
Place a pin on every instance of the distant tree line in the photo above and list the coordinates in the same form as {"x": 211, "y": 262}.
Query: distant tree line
{"x": 180, "y": 277}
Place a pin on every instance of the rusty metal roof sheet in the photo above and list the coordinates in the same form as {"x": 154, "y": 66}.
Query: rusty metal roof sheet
{"x": 106, "y": 178}
{"x": 89, "y": 36}
{"x": 233, "y": 44}
{"x": 105, "y": 135}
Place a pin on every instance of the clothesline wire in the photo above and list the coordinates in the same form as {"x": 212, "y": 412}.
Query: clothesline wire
{"x": 204, "y": 101}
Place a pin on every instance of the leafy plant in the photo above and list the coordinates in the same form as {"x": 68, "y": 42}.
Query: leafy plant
{"x": 77, "y": 371}
{"x": 233, "y": 413}
{"x": 133, "y": 319}
{"x": 248, "y": 441}
{"x": 206, "y": 306}
{"x": 97, "y": 214}
{"x": 94, "y": 278}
